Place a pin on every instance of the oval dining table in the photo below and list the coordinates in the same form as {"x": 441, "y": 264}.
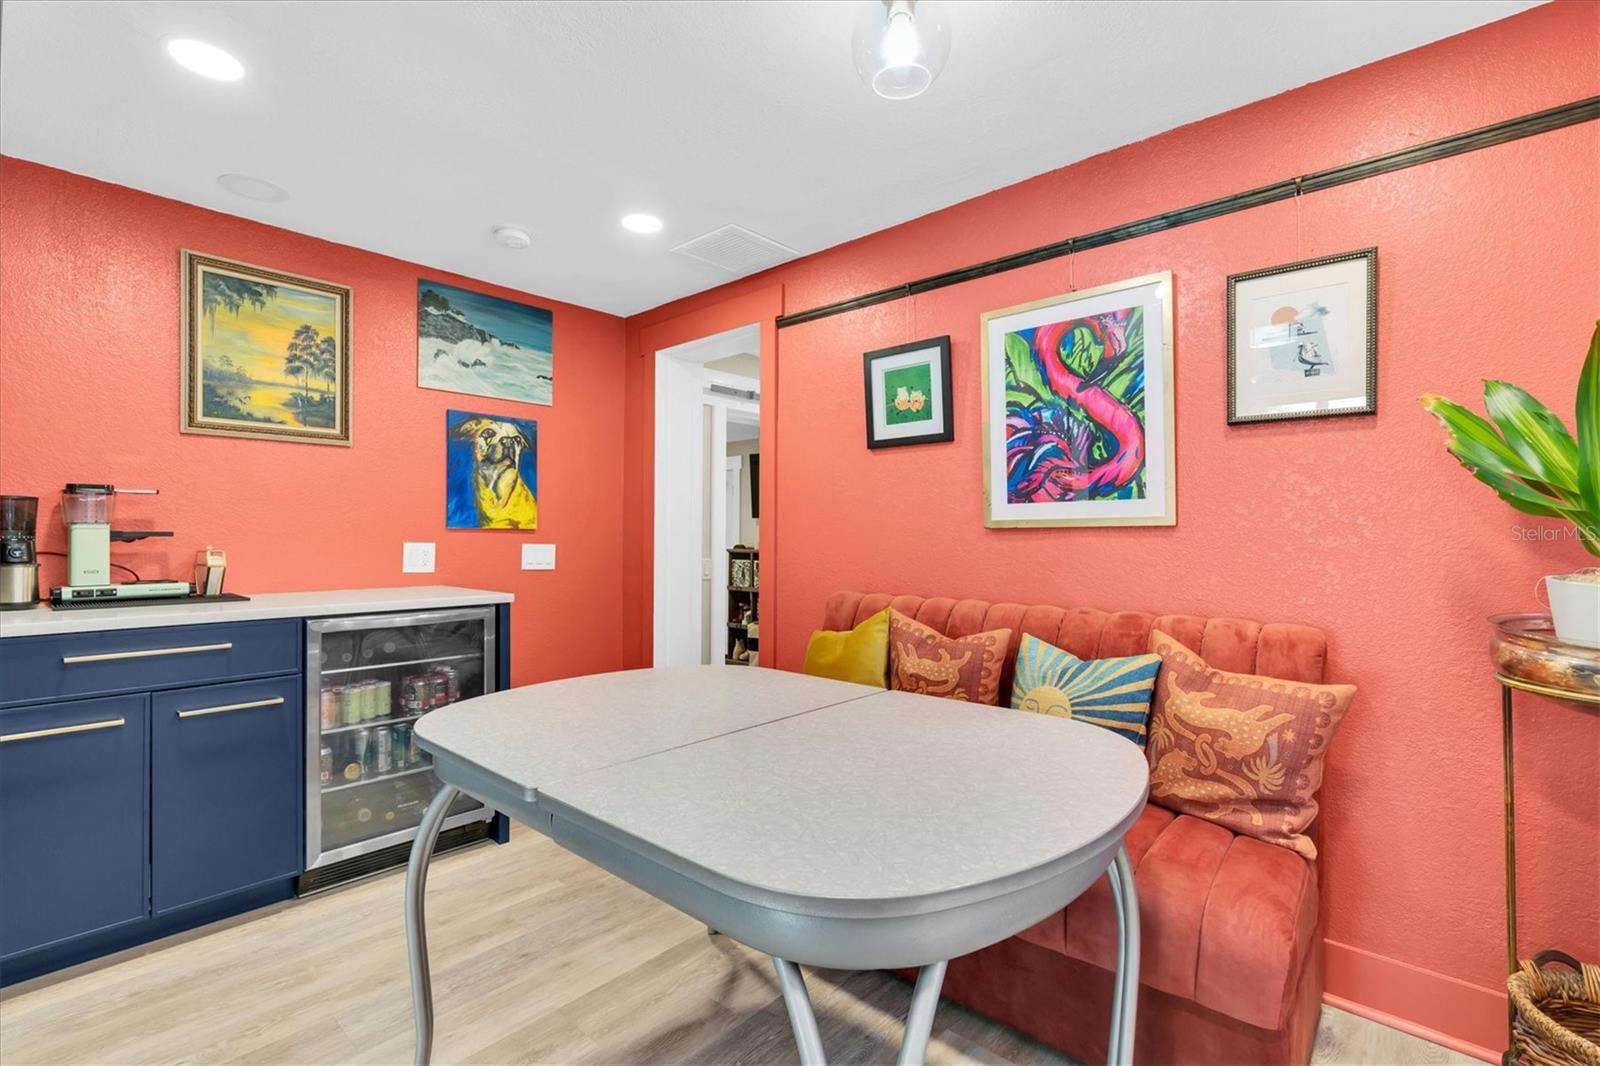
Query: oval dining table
{"x": 822, "y": 823}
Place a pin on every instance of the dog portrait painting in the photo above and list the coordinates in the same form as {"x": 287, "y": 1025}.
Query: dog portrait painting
{"x": 491, "y": 471}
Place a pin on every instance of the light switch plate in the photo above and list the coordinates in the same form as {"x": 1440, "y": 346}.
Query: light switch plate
{"x": 538, "y": 556}
{"x": 417, "y": 557}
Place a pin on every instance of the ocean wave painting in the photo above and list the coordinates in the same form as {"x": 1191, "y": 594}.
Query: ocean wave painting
{"x": 479, "y": 344}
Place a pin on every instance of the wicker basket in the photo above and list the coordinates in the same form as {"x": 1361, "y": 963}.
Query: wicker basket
{"x": 1557, "y": 1013}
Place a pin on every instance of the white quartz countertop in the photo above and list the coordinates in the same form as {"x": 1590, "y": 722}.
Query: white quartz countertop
{"x": 43, "y": 621}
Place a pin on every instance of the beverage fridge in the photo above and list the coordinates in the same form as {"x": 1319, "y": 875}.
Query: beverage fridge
{"x": 369, "y": 679}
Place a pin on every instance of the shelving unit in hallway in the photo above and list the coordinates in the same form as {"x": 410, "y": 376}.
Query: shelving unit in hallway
{"x": 744, "y": 606}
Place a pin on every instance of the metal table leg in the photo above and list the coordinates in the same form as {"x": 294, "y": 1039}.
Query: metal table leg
{"x": 416, "y": 927}
{"x": 919, "y": 1020}
{"x": 1125, "y": 999}
{"x": 801, "y": 1017}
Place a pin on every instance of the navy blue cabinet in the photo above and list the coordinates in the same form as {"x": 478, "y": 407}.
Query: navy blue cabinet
{"x": 151, "y": 780}
{"x": 94, "y": 664}
{"x": 174, "y": 802}
{"x": 225, "y": 789}
{"x": 73, "y": 805}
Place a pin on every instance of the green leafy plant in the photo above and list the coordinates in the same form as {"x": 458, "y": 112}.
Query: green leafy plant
{"x": 1526, "y": 454}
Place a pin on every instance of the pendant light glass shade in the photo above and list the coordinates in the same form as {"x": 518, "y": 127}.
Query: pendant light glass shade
{"x": 900, "y": 46}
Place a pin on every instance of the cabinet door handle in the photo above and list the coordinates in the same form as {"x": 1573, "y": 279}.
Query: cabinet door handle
{"x": 111, "y": 656}
{"x": 226, "y": 707}
{"x": 63, "y": 730}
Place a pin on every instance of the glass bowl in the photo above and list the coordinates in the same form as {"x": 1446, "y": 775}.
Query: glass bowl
{"x": 1525, "y": 648}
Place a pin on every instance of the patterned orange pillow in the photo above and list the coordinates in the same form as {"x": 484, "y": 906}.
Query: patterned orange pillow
{"x": 1242, "y": 750}
{"x": 922, "y": 659}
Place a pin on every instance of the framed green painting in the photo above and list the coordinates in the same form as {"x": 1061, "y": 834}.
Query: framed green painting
{"x": 265, "y": 354}
{"x": 908, "y": 394}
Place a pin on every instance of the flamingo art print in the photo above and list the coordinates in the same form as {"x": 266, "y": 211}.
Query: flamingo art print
{"x": 1075, "y": 414}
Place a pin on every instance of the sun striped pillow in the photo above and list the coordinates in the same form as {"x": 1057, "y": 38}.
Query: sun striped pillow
{"x": 1111, "y": 693}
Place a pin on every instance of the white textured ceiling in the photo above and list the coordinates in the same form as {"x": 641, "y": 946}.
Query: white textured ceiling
{"x": 411, "y": 128}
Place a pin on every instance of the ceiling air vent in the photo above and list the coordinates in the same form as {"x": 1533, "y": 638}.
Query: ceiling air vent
{"x": 736, "y": 250}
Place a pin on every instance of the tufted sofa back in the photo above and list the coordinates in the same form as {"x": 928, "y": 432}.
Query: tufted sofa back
{"x": 1276, "y": 649}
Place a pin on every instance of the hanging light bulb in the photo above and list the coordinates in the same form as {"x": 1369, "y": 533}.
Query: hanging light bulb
{"x": 900, "y": 46}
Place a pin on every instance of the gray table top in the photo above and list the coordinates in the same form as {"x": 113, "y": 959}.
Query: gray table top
{"x": 894, "y": 796}
{"x": 532, "y": 736}
{"x": 777, "y": 785}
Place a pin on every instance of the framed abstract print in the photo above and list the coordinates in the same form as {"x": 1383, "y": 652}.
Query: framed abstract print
{"x": 1078, "y": 408}
{"x": 1303, "y": 339}
{"x": 265, "y": 354}
{"x": 908, "y": 394}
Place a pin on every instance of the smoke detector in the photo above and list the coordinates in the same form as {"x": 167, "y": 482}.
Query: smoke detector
{"x": 512, "y": 236}
{"x": 736, "y": 250}
{"x": 257, "y": 189}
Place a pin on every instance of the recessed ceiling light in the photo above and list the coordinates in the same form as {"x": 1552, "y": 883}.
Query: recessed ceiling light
{"x": 253, "y": 188}
{"x": 638, "y": 223}
{"x": 512, "y": 236}
{"x": 206, "y": 60}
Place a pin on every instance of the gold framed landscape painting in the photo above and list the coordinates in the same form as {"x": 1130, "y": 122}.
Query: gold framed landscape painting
{"x": 265, "y": 354}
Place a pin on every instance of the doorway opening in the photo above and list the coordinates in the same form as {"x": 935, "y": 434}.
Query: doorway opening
{"x": 707, "y": 493}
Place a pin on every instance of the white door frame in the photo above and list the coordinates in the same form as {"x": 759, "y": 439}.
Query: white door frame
{"x": 680, "y": 485}
{"x": 732, "y": 530}
{"x": 716, "y": 566}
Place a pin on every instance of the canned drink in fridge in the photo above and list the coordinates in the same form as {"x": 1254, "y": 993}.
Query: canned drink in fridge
{"x": 326, "y": 770}
{"x": 369, "y": 701}
{"x": 349, "y": 705}
{"x": 441, "y": 689}
{"x": 369, "y": 752}
{"x": 330, "y": 708}
{"x": 385, "y": 699}
{"x": 383, "y": 762}
{"x": 355, "y": 752}
{"x": 452, "y": 683}
{"x": 402, "y": 745}
{"x": 411, "y": 693}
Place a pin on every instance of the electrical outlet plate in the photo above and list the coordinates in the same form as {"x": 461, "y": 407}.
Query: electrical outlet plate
{"x": 538, "y": 556}
{"x": 416, "y": 557}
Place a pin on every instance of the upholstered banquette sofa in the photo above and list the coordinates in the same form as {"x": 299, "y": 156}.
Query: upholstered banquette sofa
{"x": 1231, "y": 966}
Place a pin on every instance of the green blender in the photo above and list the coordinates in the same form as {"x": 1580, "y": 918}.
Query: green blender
{"x": 86, "y": 512}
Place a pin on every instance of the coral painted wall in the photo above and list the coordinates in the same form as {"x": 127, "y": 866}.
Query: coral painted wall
{"x": 89, "y": 363}
{"x": 1489, "y": 265}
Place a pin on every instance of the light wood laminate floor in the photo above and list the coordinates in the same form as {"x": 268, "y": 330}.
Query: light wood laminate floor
{"x": 539, "y": 957}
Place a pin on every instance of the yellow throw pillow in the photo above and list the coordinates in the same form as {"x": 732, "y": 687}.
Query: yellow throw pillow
{"x": 861, "y": 655}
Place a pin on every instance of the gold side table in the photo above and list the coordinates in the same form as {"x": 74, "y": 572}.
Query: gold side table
{"x": 1529, "y": 658}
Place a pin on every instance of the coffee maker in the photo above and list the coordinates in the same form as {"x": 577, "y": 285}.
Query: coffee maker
{"x": 19, "y": 564}
{"x": 86, "y": 512}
